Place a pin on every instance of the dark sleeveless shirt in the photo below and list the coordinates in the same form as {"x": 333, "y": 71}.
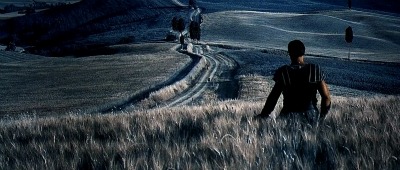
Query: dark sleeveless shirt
{"x": 300, "y": 84}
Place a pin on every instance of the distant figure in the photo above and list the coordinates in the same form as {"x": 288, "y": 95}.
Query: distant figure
{"x": 11, "y": 46}
{"x": 349, "y": 3}
{"x": 182, "y": 41}
{"x": 299, "y": 83}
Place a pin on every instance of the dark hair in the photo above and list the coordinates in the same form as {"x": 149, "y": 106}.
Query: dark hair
{"x": 296, "y": 49}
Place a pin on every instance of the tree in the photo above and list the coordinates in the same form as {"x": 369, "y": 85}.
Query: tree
{"x": 192, "y": 3}
{"x": 349, "y": 3}
{"x": 174, "y": 24}
{"x": 181, "y": 25}
{"x": 349, "y": 37}
{"x": 194, "y": 30}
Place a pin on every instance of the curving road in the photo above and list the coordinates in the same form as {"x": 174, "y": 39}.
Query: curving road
{"x": 217, "y": 72}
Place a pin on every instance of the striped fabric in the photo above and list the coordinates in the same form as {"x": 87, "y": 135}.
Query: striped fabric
{"x": 290, "y": 75}
{"x": 299, "y": 86}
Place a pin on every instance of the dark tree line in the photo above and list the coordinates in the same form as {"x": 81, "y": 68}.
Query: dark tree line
{"x": 194, "y": 27}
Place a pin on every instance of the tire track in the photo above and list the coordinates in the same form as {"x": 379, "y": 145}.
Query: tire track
{"x": 218, "y": 71}
{"x": 195, "y": 91}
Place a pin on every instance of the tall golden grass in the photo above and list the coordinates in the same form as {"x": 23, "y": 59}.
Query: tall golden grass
{"x": 359, "y": 133}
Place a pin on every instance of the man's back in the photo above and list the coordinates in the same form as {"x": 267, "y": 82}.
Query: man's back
{"x": 300, "y": 84}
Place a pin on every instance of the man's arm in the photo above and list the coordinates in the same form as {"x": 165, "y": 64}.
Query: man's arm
{"x": 271, "y": 101}
{"x": 325, "y": 99}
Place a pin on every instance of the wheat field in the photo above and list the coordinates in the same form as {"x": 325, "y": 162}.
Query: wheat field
{"x": 359, "y": 133}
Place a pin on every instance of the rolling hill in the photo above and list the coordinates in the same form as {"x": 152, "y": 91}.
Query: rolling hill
{"x": 242, "y": 46}
{"x": 57, "y": 30}
{"x": 298, "y": 6}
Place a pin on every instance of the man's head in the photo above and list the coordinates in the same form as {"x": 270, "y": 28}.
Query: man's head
{"x": 296, "y": 49}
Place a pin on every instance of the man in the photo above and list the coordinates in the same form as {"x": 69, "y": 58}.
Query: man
{"x": 299, "y": 83}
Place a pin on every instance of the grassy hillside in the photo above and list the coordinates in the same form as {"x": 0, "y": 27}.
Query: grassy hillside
{"x": 60, "y": 30}
{"x": 322, "y": 32}
{"x": 299, "y": 5}
{"x": 44, "y": 86}
{"x": 366, "y": 76}
{"x": 25, "y": 2}
{"x": 359, "y": 133}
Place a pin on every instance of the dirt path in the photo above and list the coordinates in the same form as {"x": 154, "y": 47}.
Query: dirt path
{"x": 215, "y": 78}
